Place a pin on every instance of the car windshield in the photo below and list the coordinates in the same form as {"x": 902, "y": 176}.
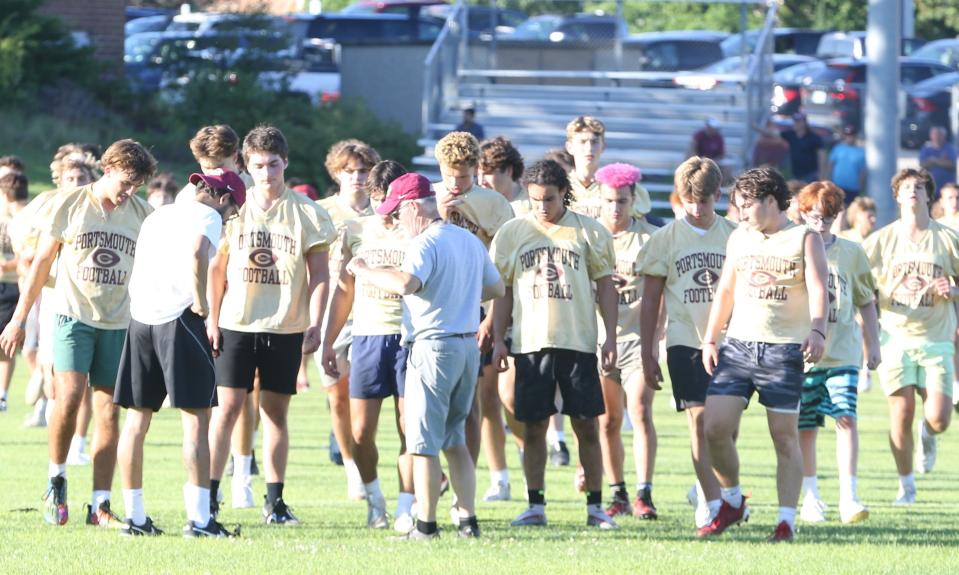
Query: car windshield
{"x": 943, "y": 51}
{"x": 538, "y": 27}
{"x": 137, "y": 49}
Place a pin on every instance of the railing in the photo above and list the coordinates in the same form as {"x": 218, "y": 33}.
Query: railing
{"x": 441, "y": 65}
{"x": 759, "y": 82}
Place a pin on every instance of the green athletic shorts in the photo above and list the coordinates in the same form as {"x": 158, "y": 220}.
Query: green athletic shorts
{"x": 86, "y": 349}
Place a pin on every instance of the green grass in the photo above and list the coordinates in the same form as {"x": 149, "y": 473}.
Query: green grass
{"x": 333, "y": 539}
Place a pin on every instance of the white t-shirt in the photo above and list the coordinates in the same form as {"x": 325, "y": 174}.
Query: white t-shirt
{"x": 452, "y": 266}
{"x": 161, "y": 285}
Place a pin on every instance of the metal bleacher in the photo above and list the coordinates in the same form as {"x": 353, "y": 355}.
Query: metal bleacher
{"x": 648, "y": 124}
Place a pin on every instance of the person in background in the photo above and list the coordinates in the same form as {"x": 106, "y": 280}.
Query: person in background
{"x": 771, "y": 150}
{"x": 938, "y": 157}
{"x": 161, "y": 190}
{"x": 846, "y": 166}
{"x": 861, "y": 219}
{"x": 708, "y": 142}
{"x": 469, "y": 124}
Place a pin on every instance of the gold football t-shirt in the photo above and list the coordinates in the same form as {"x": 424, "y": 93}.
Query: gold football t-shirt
{"x": 771, "y": 301}
{"x": 375, "y": 311}
{"x": 691, "y": 264}
{"x": 904, "y": 271}
{"x": 96, "y": 256}
{"x": 482, "y": 211}
{"x": 267, "y": 273}
{"x": 628, "y": 278}
{"x": 850, "y": 285}
{"x": 340, "y": 212}
{"x": 587, "y": 200}
{"x": 551, "y": 271}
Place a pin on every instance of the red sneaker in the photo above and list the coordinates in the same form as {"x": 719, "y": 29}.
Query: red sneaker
{"x": 783, "y": 533}
{"x": 619, "y": 507}
{"x": 643, "y": 506}
{"x": 727, "y": 516}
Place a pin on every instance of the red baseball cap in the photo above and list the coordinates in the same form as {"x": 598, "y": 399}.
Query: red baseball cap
{"x": 411, "y": 186}
{"x": 224, "y": 181}
{"x": 307, "y": 190}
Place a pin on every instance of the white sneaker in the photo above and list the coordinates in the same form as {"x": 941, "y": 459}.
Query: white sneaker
{"x": 535, "y": 515}
{"x": 813, "y": 509}
{"x": 498, "y": 492}
{"x": 852, "y": 511}
{"x": 77, "y": 457}
{"x": 925, "y": 458}
{"x": 403, "y": 523}
{"x": 905, "y": 496}
{"x": 242, "y": 492}
{"x": 597, "y": 517}
{"x": 376, "y": 516}
{"x": 704, "y": 515}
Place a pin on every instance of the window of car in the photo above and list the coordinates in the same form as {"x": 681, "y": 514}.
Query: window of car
{"x": 662, "y": 56}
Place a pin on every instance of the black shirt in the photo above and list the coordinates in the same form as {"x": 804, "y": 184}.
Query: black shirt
{"x": 804, "y": 153}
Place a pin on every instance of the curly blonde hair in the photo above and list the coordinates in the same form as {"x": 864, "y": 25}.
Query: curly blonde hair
{"x": 457, "y": 149}
{"x": 73, "y": 156}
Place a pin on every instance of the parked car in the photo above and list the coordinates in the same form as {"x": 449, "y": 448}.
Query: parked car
{"x": 390, "y": 6}
{"x": 802, "y": 41}
{"x": 136, "y": 12}
{"x": 709, "y": 77}
{"x": 853, "y": 45}
{"x": 787, "y": 86}
{"x": 677, "y": 50}
{"x": 837, "y": 92}
{"x": 944, "y": 51}
{"x": 571, "y": 28}
{"x": 479, "y": 19}
{"x": 928, "y": 103}
{"x": 215, "y": 22}
{"x": 356, "y": 28}
{"x": 147, "y": 24}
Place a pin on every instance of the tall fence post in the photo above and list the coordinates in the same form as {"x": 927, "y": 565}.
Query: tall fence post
{"x": 881, "y": 126}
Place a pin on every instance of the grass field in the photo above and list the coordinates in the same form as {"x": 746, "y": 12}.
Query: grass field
{"x": 333, "y": 539}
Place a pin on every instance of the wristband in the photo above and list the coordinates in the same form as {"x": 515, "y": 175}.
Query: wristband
{"x": 820, "y": 333}
{"x": 709, "y": 343}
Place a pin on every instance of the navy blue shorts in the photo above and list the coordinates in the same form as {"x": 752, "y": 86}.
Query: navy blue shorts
{"x": 377, "y": 367}
{"x": 773, "y": 370}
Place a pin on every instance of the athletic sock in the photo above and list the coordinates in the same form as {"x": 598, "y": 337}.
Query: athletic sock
{"x": 99, "y": 496}
{"x": 536, "y": 496}
{"x": 77, "y": 444}
{"x": 811, "y": 485}
{"x": 201, "y": 510}
{"x": 214, "y": 489}
{"x": 133, "y": 503}
{"x": 497, "y": 477}
{"x": 732, "y": 496}
{"x": 404, "y": 503}
{"x": 373, "y": 489}
{"x": 644, "y": 486}
{"x": 908, "y": 481}
{"x": 241, "y": 465}
{"x": 594, "y": 497}
{"x": 787, "y": 514}
{"x": 847, "y": 487}
{"x": 554, "y": 437}
{"x": 426, "y": 527}
{"x": 55, "y": 469}
{"x": 274, "y": 491}
{"x": 619, "y": 491}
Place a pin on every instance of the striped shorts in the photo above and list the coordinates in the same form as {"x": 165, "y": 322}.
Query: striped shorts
{"x": 830, "y": 391}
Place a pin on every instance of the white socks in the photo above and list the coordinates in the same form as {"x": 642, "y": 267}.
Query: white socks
{"x": 787, "y": 514}
{"x": 847, "y": 488}
{"x": 373, "y": 489}
{"x": 907, "y": 482}
{"x": 404, "y": 504}
{"x": 732, "y": 496}
{"x": 78, "y": 444}
{"x": 811, "y": 486}
{"x": 498, "y": 477}
{"x": 55, "y": 469}
{"x": 133, "y": 503}
{"x": 554, "y": 437}
{"x": 197, "y": 500}
{"x": 99, "y": 497}
{"x": 241, "y": 465}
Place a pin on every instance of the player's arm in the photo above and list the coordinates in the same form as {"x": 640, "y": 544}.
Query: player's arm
{"x": 720, "y": 312}
{"x": 391, "y": 280}
{"x": 201, "y": 269}
{"x": 608, "y": 299}
{"x": 502, "y": 311}
{"x": 816, "y": 273}
{"x": 317, "y": 292}
{"x": 340, "y": 305}
{"x": 870, "y": 334}
{"x": 650, "y": 312}
{"x": 46, "y": 253}
{"x": 216, "y": 287}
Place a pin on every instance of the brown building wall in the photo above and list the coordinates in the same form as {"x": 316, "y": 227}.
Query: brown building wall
{"x": 102, "y": 20}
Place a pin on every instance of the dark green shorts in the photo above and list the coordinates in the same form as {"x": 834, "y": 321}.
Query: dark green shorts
{"x": 86, "y": 349}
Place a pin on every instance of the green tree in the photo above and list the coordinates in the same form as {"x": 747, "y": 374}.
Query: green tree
{"x": 937, "y": 18}
{"x": 827, "y": 14}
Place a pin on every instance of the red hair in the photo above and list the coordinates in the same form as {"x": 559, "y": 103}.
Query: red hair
{"x": 824, "y": 193}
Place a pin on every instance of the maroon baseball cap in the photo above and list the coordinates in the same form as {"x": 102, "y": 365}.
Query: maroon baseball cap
{"x": 410, "y": 186}
{"x": 224, "y": 181}
{"x": 307, "y": 190}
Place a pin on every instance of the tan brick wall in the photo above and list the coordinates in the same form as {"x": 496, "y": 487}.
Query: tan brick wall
{"x": 102, "y": 20}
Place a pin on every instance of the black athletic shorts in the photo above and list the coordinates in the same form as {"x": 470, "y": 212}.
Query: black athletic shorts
{"x": 577, "y": 375}
{"x": 276, "y": 355}
{"x": 687, "y": 375}
{"x": 9, "y": 295}
{"x": 172, "y": 359}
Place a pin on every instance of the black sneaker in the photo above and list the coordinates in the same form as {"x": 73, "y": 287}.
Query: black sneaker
{"x": 417, "y": 535}
{"x": 559, "y": 454}
{"x": 3, "y": 403}
{"x": 469, "y": 528}
{"x": 278, "y": 513}
{"x": 335, "y": 456}
{"x": 214, "y": 507}
{"x": 131, "y": 529}
{"x": 102, "y": 516}
{"x": 211, "y": 529}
